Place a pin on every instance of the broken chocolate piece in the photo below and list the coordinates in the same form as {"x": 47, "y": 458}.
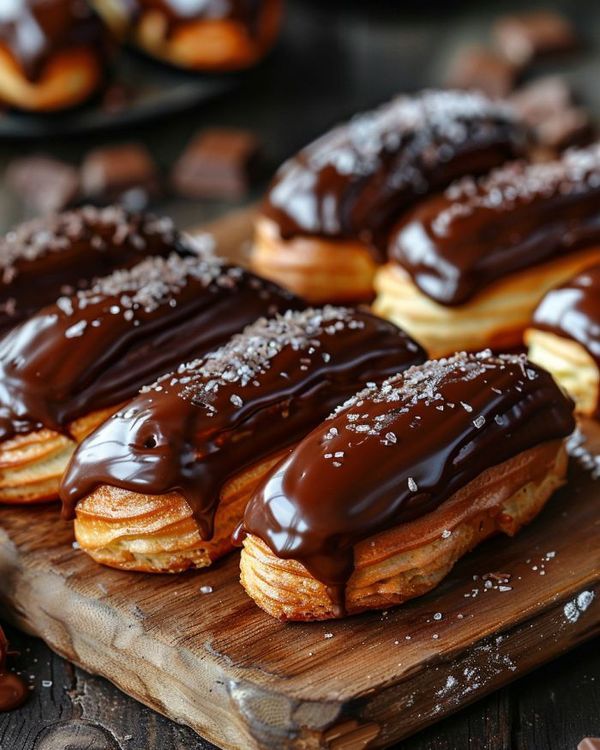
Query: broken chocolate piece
{"x": 218, "y": 163}
{"x": 43, "y": 184}
{"x": 112, "y": 173}
{"x": 522, "y": 38}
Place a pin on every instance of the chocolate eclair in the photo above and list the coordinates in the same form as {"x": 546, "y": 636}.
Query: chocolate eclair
{"x": 468, "y": 267}
{"x": 376, "y": 505}
{"x": 53, "y": 53}
{"x": 74, "y": 362}
{"x": 161, "y": 485}
{"x": 564, "y": 337}
{"x": 324, "y": 223}
{"x": 60, "y": 254}
{"x": 208, "y": 35}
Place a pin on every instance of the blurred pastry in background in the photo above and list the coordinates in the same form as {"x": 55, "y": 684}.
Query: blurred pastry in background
{"x": 564, "y": 338}
{"x": 468, "y": 267}
{"x": 323, "y": 226}
{"x": 484, "y": 70}
{"x": 197, "y": 34}
{"x": 53, "y": 53}
{"x": 522, "y": 38}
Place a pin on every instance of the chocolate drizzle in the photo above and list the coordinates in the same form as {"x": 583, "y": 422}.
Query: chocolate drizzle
{"x": 13, "y": 690}
{"x": 44, "y": 258}
{"x": 98, "y": 347}
{"x": 34, "y": 30}
{"x": 394, "y": 453}
{"x": 195, "y": 429}
{"x": 355, "y": 180}
{"x": 518, "y": 216}
{"x": 573, "y": 311}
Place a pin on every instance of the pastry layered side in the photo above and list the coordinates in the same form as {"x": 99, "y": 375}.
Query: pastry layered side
{"x": 468, "y": 267}
{"x": 564, "y": 337}
{"x": 161, "y": 486}
{"x": 211, "y": 35}
{"x": 323, "y": 226}
{"x": 376, "y": 505}
{"x": 59, "y": 254}
{"x": 53, "y": 54}
{"x": 72, "y": 364}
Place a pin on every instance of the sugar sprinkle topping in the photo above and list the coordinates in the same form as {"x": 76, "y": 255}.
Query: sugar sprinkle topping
{"x": 247, "y": 356}
{"x": 577, "y": 171}
{"x": 111, "y": 225}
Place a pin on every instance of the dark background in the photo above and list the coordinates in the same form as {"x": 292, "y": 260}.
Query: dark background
{"x": 334, "y": 59}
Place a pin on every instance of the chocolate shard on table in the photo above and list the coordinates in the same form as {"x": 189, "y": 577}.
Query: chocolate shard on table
{"x": 58, "y": 254}
{"x": 483, "y": 70}
{"x": 162, "y": 485}
{"x": 548, "y": 106}
{"x": 13, "y": 690}
{"x": 468, "y": 266}
{"x": 44, "y": 185}
{"x": 71, "y": 365}
{"x": 126, "y": 172}
{"x": 53, "y": 54}
{"x": 376, "y": 505}
{"x": 324, "y": 223}
{"x": 218, "y": 163}
{"x": 521, "y": 38}
{"x": 564, "y": 337}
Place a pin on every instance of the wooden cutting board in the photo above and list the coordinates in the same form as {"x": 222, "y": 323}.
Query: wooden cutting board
{"x": 195, "y": 648}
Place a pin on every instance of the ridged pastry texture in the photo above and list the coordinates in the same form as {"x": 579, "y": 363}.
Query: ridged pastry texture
{"x": 496, "y": 317}
{"x": 569, "y": 363}
{"x": 412, "y": 558}
{"x": 316, "y": 268}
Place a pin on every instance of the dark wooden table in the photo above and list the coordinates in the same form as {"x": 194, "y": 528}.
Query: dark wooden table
{"x": 335, "y": 58}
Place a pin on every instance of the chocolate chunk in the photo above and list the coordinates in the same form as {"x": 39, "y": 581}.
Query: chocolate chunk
{"x": 218, "y": 163}
{"x": 522, "y": 38}
{"x": 547, "y": 105}
{"x": 125, "y": 173}
{"x": 589, "y": 743}
{"x": 45, "y": 185}
{"x": 484, "y": 70}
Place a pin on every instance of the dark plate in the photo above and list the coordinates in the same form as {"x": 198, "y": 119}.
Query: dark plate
{"x": 153, "y": 90}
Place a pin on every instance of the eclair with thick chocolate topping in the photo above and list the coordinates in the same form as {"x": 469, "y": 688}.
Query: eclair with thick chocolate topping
{"x": 73, "y": 363}
{"x": 53, "y": 53}
{"x": 564, "y": 337}
{"x": 468, "y": 267}
{"x": 63, "y": 253}
{"x": 208, "y": 35}
{"x": 323, "y": 226}
{"x": 162, "y": 484}
{"x": 376, "y": 505}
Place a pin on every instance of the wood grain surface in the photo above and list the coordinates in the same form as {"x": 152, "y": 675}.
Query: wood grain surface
{"x": 218, "y": 664}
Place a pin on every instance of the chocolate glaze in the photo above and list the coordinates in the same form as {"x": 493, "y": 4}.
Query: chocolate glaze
{"x": 44, "y": 258}
{"x": 394, "y": 453}
{"x": 518, "y": 216}
{"x": 98, "y": 347}
{"x": 35, "y": 30}
{"x": 355, "y": 180}
{"x": 179, "y": 12}
{"x": 13, "y": 690}
{"x": 195, "y": 429}
{"x": 573, "y": 311}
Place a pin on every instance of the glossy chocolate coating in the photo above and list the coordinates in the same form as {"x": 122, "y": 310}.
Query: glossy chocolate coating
{"x": 573, "y": 312}
{"x": 518, "y": 216}
{"x": 356, "y": 180}
{"x": 97, "y": 348}
{"x": 34, "y": 30}
{"x": 204, "y": 424}
{"x": 44, "y": 258}
{"x": 394, "y": 453}
{"x": 13, "y": 690}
